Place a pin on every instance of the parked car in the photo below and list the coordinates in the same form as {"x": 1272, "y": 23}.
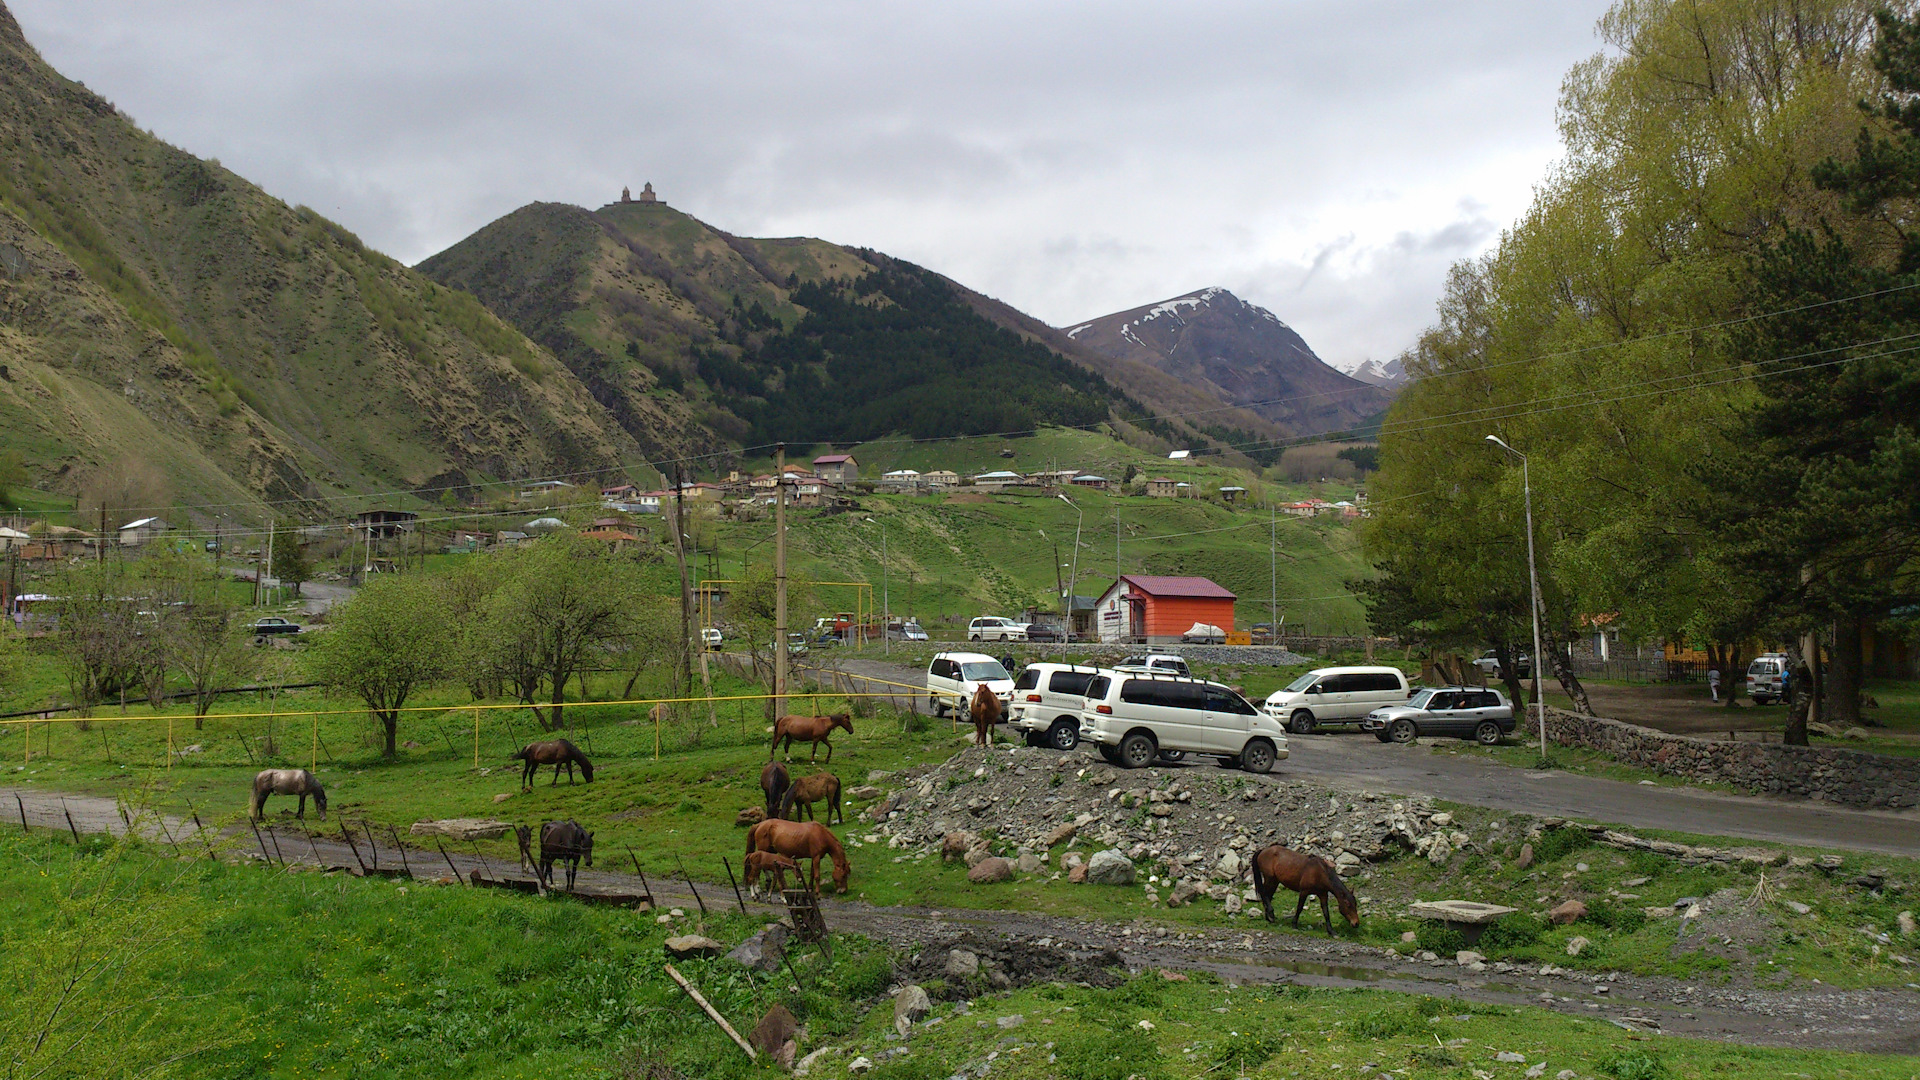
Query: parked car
{"x": 1261, "y": 633}
{"x": 995, "y": 628}
{"x": 1045, "y": 632}
{"x": 1468, "y": 712}
{"x": 712, "y": 639}
{"x": 1336, "y": 695}
{"x": 952, "y": 679}
{"x": 909, "y": 631}
{"x": 1489, "y": 664}
{"x": 1204, "y": 634}
{"x": 796, "y": 644}
{"x": 1135, "y": 718}
{"x": 273, "y": 624}
{"x": 1047, "y": 699}
{"x": 1763, "y": 678}
{"x": 1155, "y": 662}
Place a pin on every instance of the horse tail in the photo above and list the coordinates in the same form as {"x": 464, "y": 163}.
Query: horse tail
{"x": 778, "y": 723}
{"x": 788, "y": 800}
{"x": 833, "y": 792}
{"x": 1261, "y": 883}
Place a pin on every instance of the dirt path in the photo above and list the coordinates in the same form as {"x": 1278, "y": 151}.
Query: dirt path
{"x": 1881, "y": 1021}
{"x": 1359, "y": 762}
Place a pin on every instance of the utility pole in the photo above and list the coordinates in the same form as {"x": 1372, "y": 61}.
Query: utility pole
{"x": 686, "y": 587}
{"x": 269, "y": 566}
{"x": 1273, "y": 576}
{"x": 780, "y": 581}
{"x": 100, "y": 548}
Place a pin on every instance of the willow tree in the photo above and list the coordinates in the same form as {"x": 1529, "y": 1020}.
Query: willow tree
{"x": 1597, "y": 336}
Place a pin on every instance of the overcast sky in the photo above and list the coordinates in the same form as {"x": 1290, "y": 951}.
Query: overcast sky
{"x": 1327, "y": 160}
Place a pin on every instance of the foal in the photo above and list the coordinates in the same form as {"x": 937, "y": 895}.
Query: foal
{"x": 808, "y": 790}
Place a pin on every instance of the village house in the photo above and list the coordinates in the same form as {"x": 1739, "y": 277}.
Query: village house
{"x": 544, "y": 488}
{"x": 1053, "y": 477}
{"x": 146, "y": 530}
{"x": 941, "y": 478}
{"x": 13, "y": 538}
{"x": 839, "y": 468}
{"x": 900, "y": 480}
{"x": 997, "y": 479}
{"x": 1089, "y": 480}
{"x": 1162, "y": 488}
{"x": 1154, "y": 610}
{"x": 1232, "y": 493}
{"x": 383, "y": 524}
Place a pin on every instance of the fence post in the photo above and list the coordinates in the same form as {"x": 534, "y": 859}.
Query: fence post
{"x": 169, "y": 744}
{"x": 656, "y": 729}
{"x": 313, "y": 755}
{"x": 476, "y": 737}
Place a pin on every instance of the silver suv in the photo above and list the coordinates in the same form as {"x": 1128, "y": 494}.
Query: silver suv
{"x": 1047, "y": 699}
{"x": 1470, "y": 712}
{"x": 1136, "y": 717}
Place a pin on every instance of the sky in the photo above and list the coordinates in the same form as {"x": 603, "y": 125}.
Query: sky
{"x": 1325, "y": 160}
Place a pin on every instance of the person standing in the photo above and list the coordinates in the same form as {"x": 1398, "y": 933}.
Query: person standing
{"x": 1713, "y": 683}
{"x": 1786, "y": 683}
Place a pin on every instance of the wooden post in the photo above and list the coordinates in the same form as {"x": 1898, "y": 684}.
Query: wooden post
{"x": 476, "y": 737}
{"x": 779, "y": 580}
{"x": 712, "y": 1013}
{"x": 736, "y": 884}
{"x": 313, "y": 756}
{"x": 169, "y": 744}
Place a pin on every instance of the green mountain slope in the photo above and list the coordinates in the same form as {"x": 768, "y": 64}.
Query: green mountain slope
{"x": 159, "y": 310}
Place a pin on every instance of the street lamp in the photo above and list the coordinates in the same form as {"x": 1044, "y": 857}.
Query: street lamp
{"x": 1073, "y": 578}
{"x": 886, "y": 601}
{"x": 1533, "y": 577}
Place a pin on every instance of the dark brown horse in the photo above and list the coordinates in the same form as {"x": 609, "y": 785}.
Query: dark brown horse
{"x": 554, "y": 752}
{"x": 523, "y": 834}
{"x": 287, "y": 782}
{"x": 565, "y": 842}
{"x": 774, "y": 866}
{"x": 985, "y": 710}
{"x": 799, "y": 840}
{"x": 774, "y": 781}
{"x": 813, "y": 729}
{"x": 1308, "y": 875}
{"x": 806, "y": 791}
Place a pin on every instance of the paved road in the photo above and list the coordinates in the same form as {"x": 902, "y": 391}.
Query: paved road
{"x": 1360, "y": 762}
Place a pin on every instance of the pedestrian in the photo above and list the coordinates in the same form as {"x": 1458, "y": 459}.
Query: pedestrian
{"x": 1786, "y": 683}
{"x": 1713, "y": 683}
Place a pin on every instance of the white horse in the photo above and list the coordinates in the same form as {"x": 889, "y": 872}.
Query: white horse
{"x": 287, "y": 782}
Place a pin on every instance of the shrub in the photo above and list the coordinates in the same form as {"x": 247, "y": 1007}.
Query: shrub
{"x": 1633, "y": 1065}
{"x": 1110, "y": 1055}
{"x": 1386, "y": 1023}
{"x": 1559, "y": 843}
{"x": 1248, "y": 1049}
{"x": 1623, "y": 918}
{"x": 1439, "y": 938}
{"x": 1515, "y": 931}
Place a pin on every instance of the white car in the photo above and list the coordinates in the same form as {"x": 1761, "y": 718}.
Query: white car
{"x": 1158, "y": 663}
{"x": 1336, "y": 695}
{"x": 711, "y": 638}
{"x": 1136, "y": 718}
{"x": 995, "y": 628}
{"x": 1047, "y": 699}
{"x": 953, "y": 678}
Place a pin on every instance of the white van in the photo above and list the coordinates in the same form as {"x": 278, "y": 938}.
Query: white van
{"x": 953, "y": 677}
{"x": 1336, "y": 695}
{"x": 1047, "y": 699}
{"x": 1763, "y": 677}
{"x": 1136, "y": 718}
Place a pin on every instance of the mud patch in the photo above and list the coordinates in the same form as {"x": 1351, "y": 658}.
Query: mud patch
{"x": 1006, "y": 964}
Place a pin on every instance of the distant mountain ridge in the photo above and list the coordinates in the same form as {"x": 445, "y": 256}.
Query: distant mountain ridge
{"x": 1240, "y": 352}
{"x": 1387, "y": 374}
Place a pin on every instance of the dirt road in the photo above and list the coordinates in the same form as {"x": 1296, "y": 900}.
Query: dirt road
{"x": 1882, "y": 1021}
{"x": 1360, "y": 762}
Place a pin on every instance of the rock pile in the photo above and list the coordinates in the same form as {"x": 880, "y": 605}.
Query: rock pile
{"x": 953, "y": 968}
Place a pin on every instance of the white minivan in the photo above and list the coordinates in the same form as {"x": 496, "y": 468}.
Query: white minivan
{"x": 953, "y": 677}
{"x": 1336, "y": 695}
{"x": 1134, "y": 718}
{"x": 1047, "y": 699}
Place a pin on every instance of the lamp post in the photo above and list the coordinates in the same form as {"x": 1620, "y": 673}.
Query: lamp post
{"x": 886, "y": 601}
{"x": 1533, "y": 578}
{"x": 1073, "y": 577}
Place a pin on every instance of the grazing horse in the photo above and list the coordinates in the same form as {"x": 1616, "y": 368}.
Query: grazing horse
{"x": 554, "y": 752}
{"x": 287, "y": 782}
{"x": 772, "y": 865}
{"x": 566, "y": 842}
{"x": 986, "y": 712}
{"x": 774, "y": 781}
{"x": 524, "y": 835}
{"x": 814, "y": 729}
{"x": 808, "y": 790}
{"x": 1308, "y": 875}
{"x": 799, "y": 840}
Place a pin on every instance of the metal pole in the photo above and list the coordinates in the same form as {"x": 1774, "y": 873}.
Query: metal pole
{"x": 886, "y": 597}
{"x": 780, "y": 580}
{"x": 1533, "y": 576}
{"x": 1273, "y": 575}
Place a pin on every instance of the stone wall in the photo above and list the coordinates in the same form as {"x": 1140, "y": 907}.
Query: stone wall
{"x": 1848, "y": 777}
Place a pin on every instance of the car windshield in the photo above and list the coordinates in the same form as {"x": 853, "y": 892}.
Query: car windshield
{"x": 1302, "y": 682}
{"x": 983, "y": 671}
{"x": 1419, "y": 700}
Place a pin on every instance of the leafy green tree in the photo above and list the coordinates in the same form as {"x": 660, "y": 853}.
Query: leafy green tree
{"x": 290, "y": 561}
{"x": 562, "y": 603}
{"x": 390, "y": 640}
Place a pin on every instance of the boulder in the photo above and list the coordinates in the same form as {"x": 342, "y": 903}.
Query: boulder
{"x": 978, "y": 854}
{"x": 1577, "y": 946}
{"x": 1028, "y": 863}
{"x": 991, "y": 870}
{"x": 1228, "y": 867}
{"x": 955, "y": 845}
{"x": 1568, "y": 913}
{"x": 1109, "y": 868}
{"x": 1346, "y": 864}
{"x": 693, "y": 945}
{"x": 1440, "y": 851}
{"x": 752, "y": 815}
{"x": 863, "y": 1063}
{"x": 805, "y": 1065}
{"x": 1440, "y": 820}
{"x": 962, "y": 963}
{"x": 1232, "y": 904}
{"x": 775, "y": 1030}
{"x": 1077, "y": 873}
{"x": 1905, "y": 921}
{"x": 462, "y": 828}
{"x": 503, "y": 796}
{"x": 864, "y": 792}
{"x": 1466, "y": 957}
{"x": 1526, "y": 857}
{"x": 1060, "y": 834}
{"x": 1183, "y": 894}
{"x": 910, "y": 1006}
{"x": 763, "y": 951}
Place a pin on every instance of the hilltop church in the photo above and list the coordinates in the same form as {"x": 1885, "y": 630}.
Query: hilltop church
{"x": 647, "y": 197}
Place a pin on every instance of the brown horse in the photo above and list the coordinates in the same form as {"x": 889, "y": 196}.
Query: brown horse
{"x": 986, "y": 712}
{"x": 799, "y": 840}
{"x": 774, "y": 866}
{"x": 287, "y": 782}
{"x": 808, "y": 790}
{"x": 773, "y": 782}
{"x": 1308, "y": 875}
{"x": 554, "y": 752}
{"x": 524, "y": 835}
{"x": 814, "y": 729}
{"x": 564, "y": 842}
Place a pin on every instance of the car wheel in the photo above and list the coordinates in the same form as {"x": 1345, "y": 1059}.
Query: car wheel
{"x": 1301, "y": 723}
{"x": 1227, "y": 762}
{"x": 939, "y": 707}
{"x": 1487, "y": 733}
{"x": 1402, "y": 731}
{"x": 1173, "y": 755}
{"x": 1136, "y": 751}
{"x": 1381, "y": 735}
{"x": 1108, "y": 752}
{"x": 1064, "y": 735}
{"x": 1257, "y": 756}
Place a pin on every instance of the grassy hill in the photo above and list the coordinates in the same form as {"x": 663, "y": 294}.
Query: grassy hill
{"x": 161, "y": 314}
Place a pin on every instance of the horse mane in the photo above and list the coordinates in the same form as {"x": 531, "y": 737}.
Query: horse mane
{"x": 1335, "y": 882}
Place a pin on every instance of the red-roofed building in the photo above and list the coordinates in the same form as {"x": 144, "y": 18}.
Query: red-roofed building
{"x": 839, "y": 468}
{"x": 1157, "y": 610}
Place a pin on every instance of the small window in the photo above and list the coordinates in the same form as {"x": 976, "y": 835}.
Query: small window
{"x": 943, "y": 668}
{"x": 1070, "y": 682}
{"x": 1486, "y": 699}
{"x": 1099, "y": 687}
{"x": 1222, "y": 700}
{"x": 1167, "y": 695}
{"x": 1338, "y": 684}
{"x": 1376, "y": 682}
{"x": 1028, "y": 679}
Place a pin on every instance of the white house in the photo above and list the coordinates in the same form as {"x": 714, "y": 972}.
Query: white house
{"x": 135, "y": 533}
{"x": 939, "y": 478}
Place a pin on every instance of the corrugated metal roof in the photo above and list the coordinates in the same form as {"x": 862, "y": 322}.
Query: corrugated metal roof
{"x": 1177, "y": 586}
